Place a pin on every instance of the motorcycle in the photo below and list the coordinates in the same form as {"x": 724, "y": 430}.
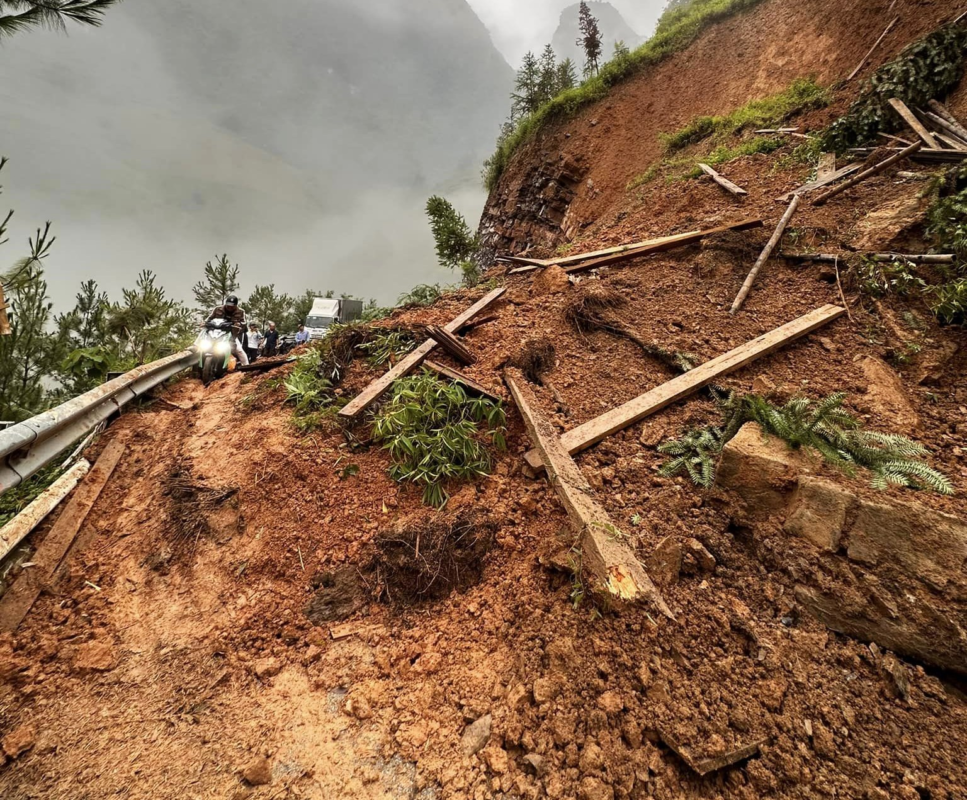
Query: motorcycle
{"x": 215, "y": 344}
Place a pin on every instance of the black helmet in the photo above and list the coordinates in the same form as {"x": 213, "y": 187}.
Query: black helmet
{"x": 231, "y": 300}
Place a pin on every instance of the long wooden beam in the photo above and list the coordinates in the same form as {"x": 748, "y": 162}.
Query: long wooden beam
{"x": 592, "y": 432}
{"x": 876, "y": 169}
{"x": 876, "y": 44}
{"x": 26, "y": 589}
{"x": 604, "y": 553}
{"x": 942, "y": 111}
{"x": 764, "y": 256}
{"x": 458, "y": 377}
{"x": 579, "y": 257}
{"x": 406, "y": 365}
{"x": 671, "y": 243}
{"x": 916, "y": 125}
{"x": 15, "y": 531}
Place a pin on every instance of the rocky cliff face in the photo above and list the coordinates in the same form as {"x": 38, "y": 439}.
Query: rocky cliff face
{"x": 613, "y": 26}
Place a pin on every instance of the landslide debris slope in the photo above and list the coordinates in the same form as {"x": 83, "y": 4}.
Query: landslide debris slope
{"x": 193, "y": 645}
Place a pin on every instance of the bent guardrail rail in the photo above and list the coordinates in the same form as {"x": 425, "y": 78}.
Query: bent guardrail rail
{"x": 29, "y": 446}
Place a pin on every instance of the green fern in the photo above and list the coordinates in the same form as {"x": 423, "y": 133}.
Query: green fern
{"x": 824, "y": 426}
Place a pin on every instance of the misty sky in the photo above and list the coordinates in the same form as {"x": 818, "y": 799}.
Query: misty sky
{"x": 304, "y": 142}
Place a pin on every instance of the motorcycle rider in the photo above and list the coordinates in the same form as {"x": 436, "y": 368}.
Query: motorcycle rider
{"x": 230, "y": 312}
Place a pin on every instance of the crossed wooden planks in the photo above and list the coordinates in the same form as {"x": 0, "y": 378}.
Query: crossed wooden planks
{"x": 604, "y": 553}
{"x": 592, "y": 432}
{"x": 25, "y": 591}
{"x": 406, "y": 365}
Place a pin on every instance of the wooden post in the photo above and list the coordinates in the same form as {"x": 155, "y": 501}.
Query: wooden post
{"x": 770, "y": 246}
{"x": 15, "y": 531}
{"x": 725, "y": 183}
{"x": 26, "y": 589}
{"x": 411, "y": 361}
{"x": 941, "y": 111}
{"x": 873, "y": 49}
{"x": 876, "y": 169}
{"x": 451, "y": 344}
{"x": 900, "y": 107}
{"x": 472, "y": 386}
{"x": 617, "y": 419}
{"x": 5, "y": 329}
{"x": 604, "y": 553}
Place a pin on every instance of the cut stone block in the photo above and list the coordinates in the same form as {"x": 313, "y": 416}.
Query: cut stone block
{"x": 818, "y": 513}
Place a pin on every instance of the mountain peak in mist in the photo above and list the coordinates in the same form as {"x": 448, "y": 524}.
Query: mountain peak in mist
{"x": 614, "y": 28}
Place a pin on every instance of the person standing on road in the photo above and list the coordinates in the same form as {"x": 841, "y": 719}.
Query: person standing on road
{"x": 271, "y": 343}
{"x": 253, "y": 341}
{"x": 302, "y": 336}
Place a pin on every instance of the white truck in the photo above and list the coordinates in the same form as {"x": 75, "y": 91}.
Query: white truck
{"x": 327, "y": 311}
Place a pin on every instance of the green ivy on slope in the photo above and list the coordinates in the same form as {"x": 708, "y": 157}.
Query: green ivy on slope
{"x": 676, "y": 30}
{"x": 925, "y": 70}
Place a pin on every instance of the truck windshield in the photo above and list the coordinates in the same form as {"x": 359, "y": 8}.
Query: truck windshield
{"x": 318, "y": 322}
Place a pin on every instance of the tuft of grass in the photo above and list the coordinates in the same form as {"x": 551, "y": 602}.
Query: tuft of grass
{"x": 676, "y": 30}
{"x": 435, "y": 433}
{"x": 824, "y": 426}
{"x": 423, "y": 295}
{"x": 803, "y": 94}
{"x": 386, "y": 345}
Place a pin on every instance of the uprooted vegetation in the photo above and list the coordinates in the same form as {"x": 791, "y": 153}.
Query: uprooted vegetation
{"x": 823, "y": 426}
{"x": 436, "y": 433}
{"x": 427, "y": 561}
{"x": 198, "y": 510}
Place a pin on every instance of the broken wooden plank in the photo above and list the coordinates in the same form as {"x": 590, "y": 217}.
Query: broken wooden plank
{"x": 910, "y": 118}
{"x": 876, "y": 169}
{"x": 827, "y": 166}
{"x": 703, "y": 766}
{"x": 892, "y": 138}
{"x": 671, "y": 243}
{"x": 411, "y": 361}
{"x": 946, "y": 126}
{"x": 15, "y": 531}
{"x": 477, "y": 323}
{"x": 604, "y": 552}
{"x": 764, "y": 256}
{"x": 849, "y": 169}
{"x": 952, "y": 144}
{"x": 926, "y": 155}
{"x": 459, "y": 377}
{"x": 28, "y": 586}
{"x": 592, "y": 432}
{"x": 942, "y": 111}
{"x": 876, "y": 44}
{"x": 725, "y": 183}
{"x": 776, "y": 130}
{"x": 535, "y": 263}
{"x": 832, "y": 258}
{"x": 451, "y": 344}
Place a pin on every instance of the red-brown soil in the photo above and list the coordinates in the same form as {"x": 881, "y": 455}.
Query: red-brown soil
{"x": 169, "y": 657}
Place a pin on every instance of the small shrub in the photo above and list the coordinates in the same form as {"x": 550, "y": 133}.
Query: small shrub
{"x": 927, "y": 69}
{"x": 422, "y": 295}
{"x": 386, "y": 345}
{"x": 947, "y": 218}
{"x": 949, "y": 302}
{"x": 432, "y": 430}
{"x": 891, "y": 277}
{"x": 824, "y": 427}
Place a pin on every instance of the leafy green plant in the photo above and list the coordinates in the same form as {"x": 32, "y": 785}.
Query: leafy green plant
{"x": 929, "y": 68}
{"x": 348, "y": 471}
{"x": 949, "y": 302}
{"x": 947, "y": 218}
{"x": 676, "y": 30}
{"x": 435, "y": 432}
{"x": 824, "y": 426}
{"x": 801, "y": 95}
{"x": 387, "y": 344}
{"x": 899, "y": 277}
{"x": 423, "y": 295}
{"x": 307, "y": 391}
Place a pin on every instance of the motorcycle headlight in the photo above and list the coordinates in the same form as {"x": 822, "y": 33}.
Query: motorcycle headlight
{"x": 205, "y": 345}
{"x": 223, "y": 348}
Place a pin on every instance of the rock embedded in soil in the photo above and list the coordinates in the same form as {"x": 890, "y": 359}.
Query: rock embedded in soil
{"x": 476, "y": 735}
{"x": 95, "y": 657}
{"x": 20, "y": 741}
{"x": 665, "y": 563}
{"x": 888, "y": 397}
{"x": 258, "y": 772}
{"x": 267, "y": 668}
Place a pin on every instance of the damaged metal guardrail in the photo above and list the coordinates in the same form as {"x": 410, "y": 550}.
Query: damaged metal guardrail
{"x": 27, "y": 447}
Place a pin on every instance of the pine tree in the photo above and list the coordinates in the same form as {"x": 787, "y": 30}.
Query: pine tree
{"x": 567, "y": 76}
{"x": 547, "y": 77}
{"x": 455, "y": 242}
{"x": 83, "y": 326}
{"x": 221, "y": 280}
{"x": 621, "y": 50}
{"x": 590, "y": 39}
{"x": 147, "y": 325}
{"x": 524, "y": 99}
{"x": 265, "y": 305}
{"x": 18, "y": 15}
